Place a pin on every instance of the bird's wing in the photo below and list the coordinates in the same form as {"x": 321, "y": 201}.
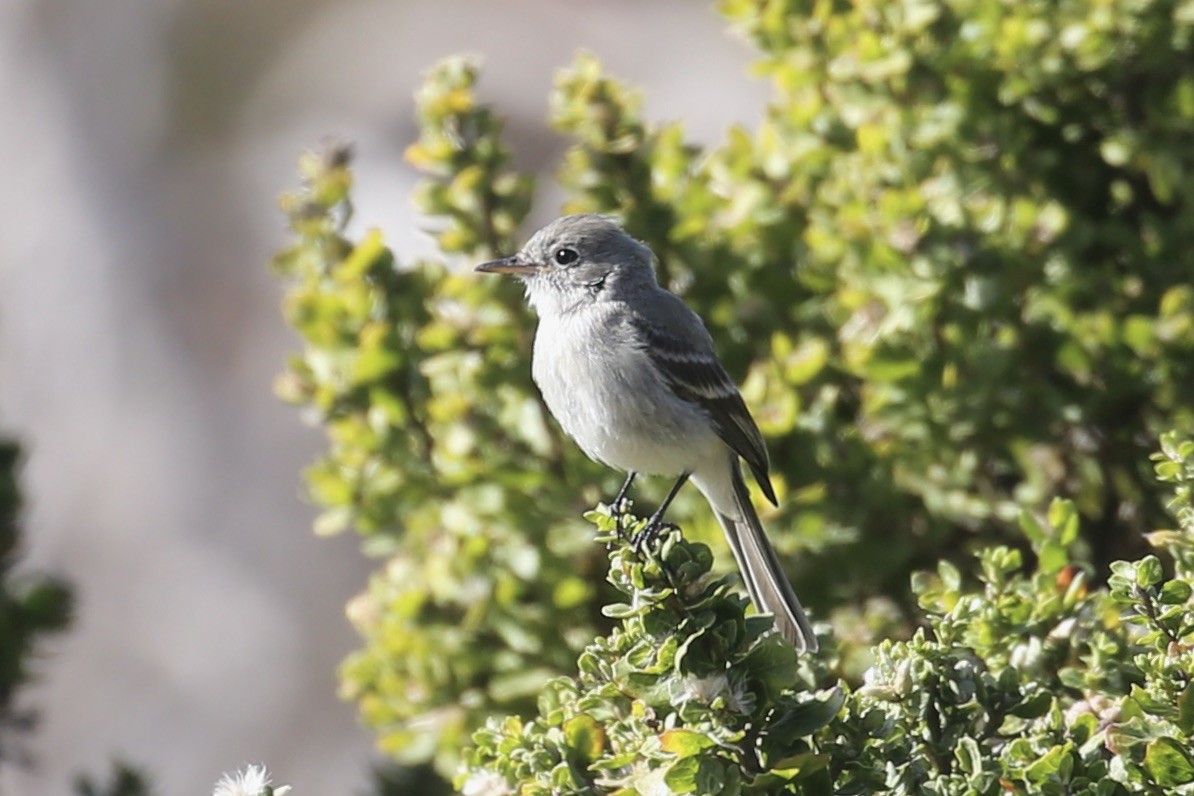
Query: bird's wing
{"x": 692, "y": 371}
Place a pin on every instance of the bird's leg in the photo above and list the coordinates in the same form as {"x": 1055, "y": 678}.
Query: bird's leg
{"x": 619, "y": 507}
{"x": 656, "y": 525}
{"x": 616, "y": 507}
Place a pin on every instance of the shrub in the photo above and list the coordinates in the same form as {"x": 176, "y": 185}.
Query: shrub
{"x": 1028, "y": 683}
{"x": 950, "y": 265}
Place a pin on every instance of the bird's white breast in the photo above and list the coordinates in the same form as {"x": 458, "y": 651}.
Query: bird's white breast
{"x": 605, "y": 393}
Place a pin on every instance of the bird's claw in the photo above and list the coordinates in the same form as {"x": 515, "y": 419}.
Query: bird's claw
{"x": 649, "y": 533}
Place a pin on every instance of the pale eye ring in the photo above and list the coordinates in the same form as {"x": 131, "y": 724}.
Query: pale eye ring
{"x": 566, "y": 256}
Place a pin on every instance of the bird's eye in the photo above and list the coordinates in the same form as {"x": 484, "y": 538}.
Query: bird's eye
{"x": 566, "y": 256}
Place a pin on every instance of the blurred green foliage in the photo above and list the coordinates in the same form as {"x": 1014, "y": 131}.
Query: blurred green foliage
{"x": 951, "y": 266}
{"x": 123, "y": 780}
{"x": 31, "y": 608}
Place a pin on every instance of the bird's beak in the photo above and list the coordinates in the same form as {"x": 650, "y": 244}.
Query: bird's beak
{"x": 507, "y": 265}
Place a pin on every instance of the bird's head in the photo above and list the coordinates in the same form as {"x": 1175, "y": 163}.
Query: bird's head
{"x": 577, "y": 258}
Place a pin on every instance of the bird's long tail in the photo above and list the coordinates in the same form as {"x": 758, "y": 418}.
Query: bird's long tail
{"x": 766, "y": 582}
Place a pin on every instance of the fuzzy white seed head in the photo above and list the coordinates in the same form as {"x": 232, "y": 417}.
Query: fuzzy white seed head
{"x": 254, "y": 780}
{"x": 485, "y": 783}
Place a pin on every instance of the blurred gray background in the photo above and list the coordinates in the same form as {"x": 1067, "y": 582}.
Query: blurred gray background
{"x": 145, "y": 143}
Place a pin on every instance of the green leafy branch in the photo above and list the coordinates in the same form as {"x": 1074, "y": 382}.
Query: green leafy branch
{"x": 688, "y": 692}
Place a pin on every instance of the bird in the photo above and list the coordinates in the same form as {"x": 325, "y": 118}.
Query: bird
{"x": 631, "y": 375}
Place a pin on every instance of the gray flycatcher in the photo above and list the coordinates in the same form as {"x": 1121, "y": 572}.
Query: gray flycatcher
{"x": 631, "y": 374}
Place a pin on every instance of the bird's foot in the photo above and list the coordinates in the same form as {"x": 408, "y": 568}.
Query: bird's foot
{"x": 649, "y": 533}
{"x": 620, "y": 507}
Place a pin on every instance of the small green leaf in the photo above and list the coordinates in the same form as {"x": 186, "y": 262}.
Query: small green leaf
{"x": 585, "y": 737}
{"x": 1033, "y": 707}
{"x": 1168, "y": 763}
{"x": 807, "y": 717}
{"x": 1055, "y": 764}
{"x": 684, "y": 743}
{"x": 951, "y": 578}
{"x": 1063, "y": 516}
{"x": 800, "y": 765}
{"x": 970, "y": 759}
{"x": 1148, "y": 572}
{"x": 773, "y": 664}
{"x": 1052, "y": 557}
{"x": 1175, "y": 592}
{"x": 681, "y": 776}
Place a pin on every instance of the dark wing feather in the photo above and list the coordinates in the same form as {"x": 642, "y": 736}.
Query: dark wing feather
{"x": 696, "y": 376}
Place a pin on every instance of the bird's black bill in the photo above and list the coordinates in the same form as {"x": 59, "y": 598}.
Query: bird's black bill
{"x": 507, "y": 265}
